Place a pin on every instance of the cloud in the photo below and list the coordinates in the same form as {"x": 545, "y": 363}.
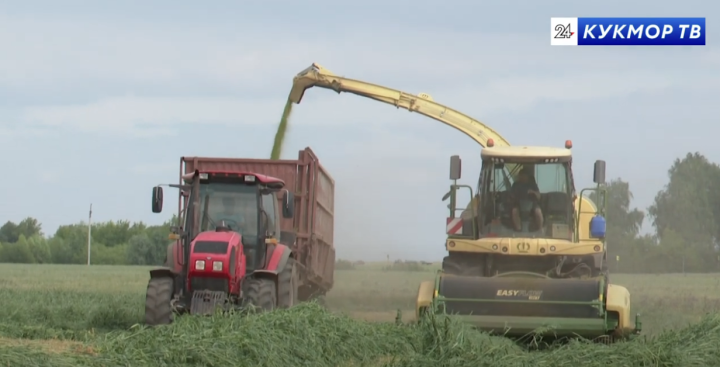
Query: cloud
{"x": 152, "y": 168}
{"x": 172, "y": 59}
{"x": 142, "y": 79}
{"x": 49, "y": 176}
{"x": 151, "y": 114}
{"x": 148, "y": 116}
{"x": 81, "y": 88}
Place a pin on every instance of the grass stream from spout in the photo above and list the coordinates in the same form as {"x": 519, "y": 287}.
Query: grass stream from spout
{"x": 281, "y": 131}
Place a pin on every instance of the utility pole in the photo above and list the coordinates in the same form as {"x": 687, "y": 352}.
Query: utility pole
{"x": 89, "y": 232}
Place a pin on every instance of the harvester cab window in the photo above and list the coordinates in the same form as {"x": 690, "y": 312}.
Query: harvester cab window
{"x": 495, "y": 188}
{"x": 553, "y": 179}
{"x": 536, "y": 202}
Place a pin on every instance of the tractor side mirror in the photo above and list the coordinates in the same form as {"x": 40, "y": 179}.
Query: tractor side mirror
{"x": 288, "y": 204}
{"x": 455, "y": 167}
{"x": 157, "y": 199}
{"x": 599, "y": 172}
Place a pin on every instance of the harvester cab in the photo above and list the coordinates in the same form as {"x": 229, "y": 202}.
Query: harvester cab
{"x": 226, "y": 252}
{"x": 528, "y": 255}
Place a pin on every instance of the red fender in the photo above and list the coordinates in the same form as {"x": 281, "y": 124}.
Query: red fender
{"x": 277, "y": 260}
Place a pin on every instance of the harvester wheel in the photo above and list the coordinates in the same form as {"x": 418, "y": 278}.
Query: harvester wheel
{"x": 158, "y": 310}
{"x": 261, "y": 294}
{"x": 454, "y": 266}
{"x": 288, "y": 285}
{"x": 450, "y": 266}
{"x": 606, "y": 272}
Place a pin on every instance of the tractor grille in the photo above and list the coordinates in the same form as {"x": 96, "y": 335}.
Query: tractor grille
{"x": 210, "y": 284}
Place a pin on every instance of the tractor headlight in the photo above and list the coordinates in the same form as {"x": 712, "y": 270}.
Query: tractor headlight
{"x": 200, "y": 264}
{"x": 217, "y": 265}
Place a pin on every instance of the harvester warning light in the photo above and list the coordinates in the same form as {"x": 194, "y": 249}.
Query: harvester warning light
{"x": 490, "y": 143}
{"x": 568, "y": 144}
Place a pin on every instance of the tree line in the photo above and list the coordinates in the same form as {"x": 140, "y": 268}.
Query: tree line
{"x": 113, "y": 243}
{"x": 685, "y": 216}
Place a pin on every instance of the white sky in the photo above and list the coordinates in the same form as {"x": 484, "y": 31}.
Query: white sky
{"x": 99, "y": 99}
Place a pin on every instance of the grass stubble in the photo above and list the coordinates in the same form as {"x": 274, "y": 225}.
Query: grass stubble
{"x": 92, "y": 317}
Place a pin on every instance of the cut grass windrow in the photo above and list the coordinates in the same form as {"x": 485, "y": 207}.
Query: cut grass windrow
{"x": 308, "y": 335}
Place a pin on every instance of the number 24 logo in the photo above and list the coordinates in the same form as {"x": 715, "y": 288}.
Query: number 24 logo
{"x": 563, "y": 31}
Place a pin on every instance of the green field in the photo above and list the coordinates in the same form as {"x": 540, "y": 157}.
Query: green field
{"x": 54, "y": 315}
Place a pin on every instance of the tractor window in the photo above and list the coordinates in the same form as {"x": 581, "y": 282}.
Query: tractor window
{"x": 269, "y": 205}
{"x": 235, "y": 204}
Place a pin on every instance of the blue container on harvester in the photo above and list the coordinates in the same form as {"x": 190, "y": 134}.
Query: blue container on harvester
{"x": 597, "y": 227}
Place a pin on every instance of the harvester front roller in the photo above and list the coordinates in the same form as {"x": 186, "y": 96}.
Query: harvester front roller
{"x": 520, "y": 304}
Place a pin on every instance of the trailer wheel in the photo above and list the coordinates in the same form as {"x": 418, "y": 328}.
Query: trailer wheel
{"x": 261, "y": 294}
{"x": 288, "y": 285}
{"x": 158, "y": 310}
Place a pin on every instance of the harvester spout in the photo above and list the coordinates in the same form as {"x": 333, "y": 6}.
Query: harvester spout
{"x": 305, "y": 79}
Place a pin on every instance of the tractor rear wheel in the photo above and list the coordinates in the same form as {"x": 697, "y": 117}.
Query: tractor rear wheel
{"x": 288, "y": 285}
{"x": 158, "y": 310}
{"x": 261, "y": 294}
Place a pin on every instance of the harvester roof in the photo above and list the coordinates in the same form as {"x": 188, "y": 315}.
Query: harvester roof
{"x": 525, "y": 152}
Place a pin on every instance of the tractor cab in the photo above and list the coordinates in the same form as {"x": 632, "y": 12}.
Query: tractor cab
{"x": 229, "y": 219}
{"x": 242, "y": 203}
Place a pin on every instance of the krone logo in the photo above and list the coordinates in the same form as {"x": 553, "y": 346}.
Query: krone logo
{"x": 523, "y": 247}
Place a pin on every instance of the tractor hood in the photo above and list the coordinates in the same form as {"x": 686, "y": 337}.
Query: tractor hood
{"x": 210, "y": 252}
{"x": 213, "y": 236}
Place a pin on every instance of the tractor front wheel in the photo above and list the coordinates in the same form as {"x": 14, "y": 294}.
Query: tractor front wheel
{"x": 288, "y": 285}
{"x": 260, "y": 293}
{"x": 158, "y": 310}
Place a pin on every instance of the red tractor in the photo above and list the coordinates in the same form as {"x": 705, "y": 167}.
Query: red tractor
{"x": 226, "y": 252}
